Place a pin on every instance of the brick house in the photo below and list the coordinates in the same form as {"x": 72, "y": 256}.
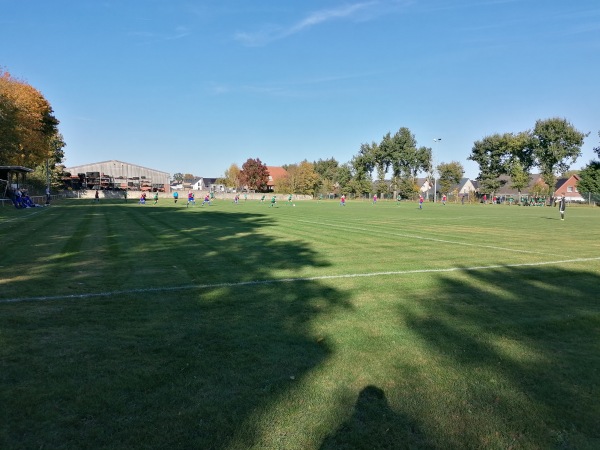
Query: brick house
{"x": 569, "y": 187}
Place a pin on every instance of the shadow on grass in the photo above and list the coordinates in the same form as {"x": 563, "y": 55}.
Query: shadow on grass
{"x": 528, "y": 341}
{"x": 187, "y": 368}
{"x": 374, "y": 425}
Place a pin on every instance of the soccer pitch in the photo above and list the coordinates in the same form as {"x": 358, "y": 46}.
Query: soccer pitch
{"x": 237, "y": 326}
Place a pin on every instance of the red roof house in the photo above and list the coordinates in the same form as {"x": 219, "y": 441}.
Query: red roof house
{"x": 275, "y": 173}
{"x": 568, "y": 186}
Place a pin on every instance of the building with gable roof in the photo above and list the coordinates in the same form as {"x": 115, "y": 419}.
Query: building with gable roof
{"x": 275, "y": 173}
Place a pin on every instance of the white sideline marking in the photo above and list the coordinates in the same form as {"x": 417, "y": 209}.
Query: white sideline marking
{"x": 23, "y": 217}
{"x": 288, "y": 280}
{"x": 423, "y": 238}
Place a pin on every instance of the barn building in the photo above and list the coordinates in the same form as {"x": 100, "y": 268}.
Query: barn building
{"x": 118, "y": 175}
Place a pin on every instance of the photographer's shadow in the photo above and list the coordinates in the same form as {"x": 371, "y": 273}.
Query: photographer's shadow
{"x": 374, "y": 425}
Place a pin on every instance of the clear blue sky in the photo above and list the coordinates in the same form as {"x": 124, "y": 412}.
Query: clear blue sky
{"x": 194, "y": 86}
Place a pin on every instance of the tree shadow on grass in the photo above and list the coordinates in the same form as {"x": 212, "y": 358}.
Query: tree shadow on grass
{"x": 528, "y": 351}
{"x": 187, "y": 367}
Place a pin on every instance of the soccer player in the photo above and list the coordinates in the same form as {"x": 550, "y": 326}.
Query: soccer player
{"x": 420, "y": 202}
{"x": 175, "y": 196}
{"x": 343, "y": 200}
{"x": 562, "y": 204}
{"x": 273, "y": 201}
{"x": 444, "y": 199}
{"x": 155, "y": 198}
{"x": 206, "y": 200}
{"x": 375, "y": 199}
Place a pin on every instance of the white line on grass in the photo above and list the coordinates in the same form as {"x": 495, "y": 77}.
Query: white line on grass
{"x": 287, "y": 280}
{"x": 423, "y": 238}
{"x": 26, "y": 216}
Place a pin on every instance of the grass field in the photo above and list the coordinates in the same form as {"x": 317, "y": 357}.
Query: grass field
{"x": 307, "y": 327}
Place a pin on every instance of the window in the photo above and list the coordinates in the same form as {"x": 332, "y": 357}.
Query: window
{"x": 570, "y": 189}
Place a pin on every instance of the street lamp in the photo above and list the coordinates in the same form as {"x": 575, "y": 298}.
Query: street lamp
{"x": 434, "y": 179}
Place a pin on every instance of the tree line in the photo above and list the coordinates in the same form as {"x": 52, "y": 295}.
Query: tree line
{"x": 551, "y": 147}
{"x": 393, "y": 165}
{"x": 397, "y": 154}
{"x": 29, "y": 136}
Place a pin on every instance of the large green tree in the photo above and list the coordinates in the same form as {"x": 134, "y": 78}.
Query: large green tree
{"x": 492, "y": 153}
{"x": 502, "y": 154}
{"x": 552, "y": 146}
{"x": 589, "y": 178}
{"x": 519, "y": 177}
{"x": 327, "y": 170}
{"x": 254, "y": 175}
{"x": 556, "y": 144}
{"x": 398, "y": 153}
{"x": 450, "y": 175}
{"x": 344, "y": 178}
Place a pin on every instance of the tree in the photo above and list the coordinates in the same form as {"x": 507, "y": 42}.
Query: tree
{"x": 188, "y": 178}
{"x": 450, "y": 175}
{"x": 344, "y": 178}
{"x": 407, "y": 188}
{"x": 178, "y": 177}
{"x": 308, "y": 179}
{"x": 51, "y": 170}
{"x": 589, "y": 178}
{"x": 556, "y": 145}
{"x": 27, "y": 124}
{"x": 327, "y": 170}
{"x": 380, "y": 186}
{"x": 362, "y": 166}
{"x": 405, "y": 158}
{"x": 365, "y": 161}
{"x": 540, "y": 189}
{"x": 231, "y": 178}
{"x": 519, "y": 177}
{"x": 398, "y": 153}
{"x": 254, "y": 175}
{"x": 495, "y": 154}
{"x": 300, "y": 179}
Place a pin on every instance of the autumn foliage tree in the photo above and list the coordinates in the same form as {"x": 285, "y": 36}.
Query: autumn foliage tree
{"x": 28, "y": 129}
{"x": 300, "y": 179}
{"x": 254, "y": 175}
{"x": 232, "y": 177}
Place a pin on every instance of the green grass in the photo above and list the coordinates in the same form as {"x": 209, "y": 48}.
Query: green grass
{"x": 307, "y": 327}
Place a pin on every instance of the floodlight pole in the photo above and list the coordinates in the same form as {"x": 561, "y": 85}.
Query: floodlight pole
{"x": 434, "y": 179}
{"x": 47, "y": 182}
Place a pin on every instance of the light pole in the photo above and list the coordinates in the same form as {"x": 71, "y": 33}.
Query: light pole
{"x": 434, "y": 179}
